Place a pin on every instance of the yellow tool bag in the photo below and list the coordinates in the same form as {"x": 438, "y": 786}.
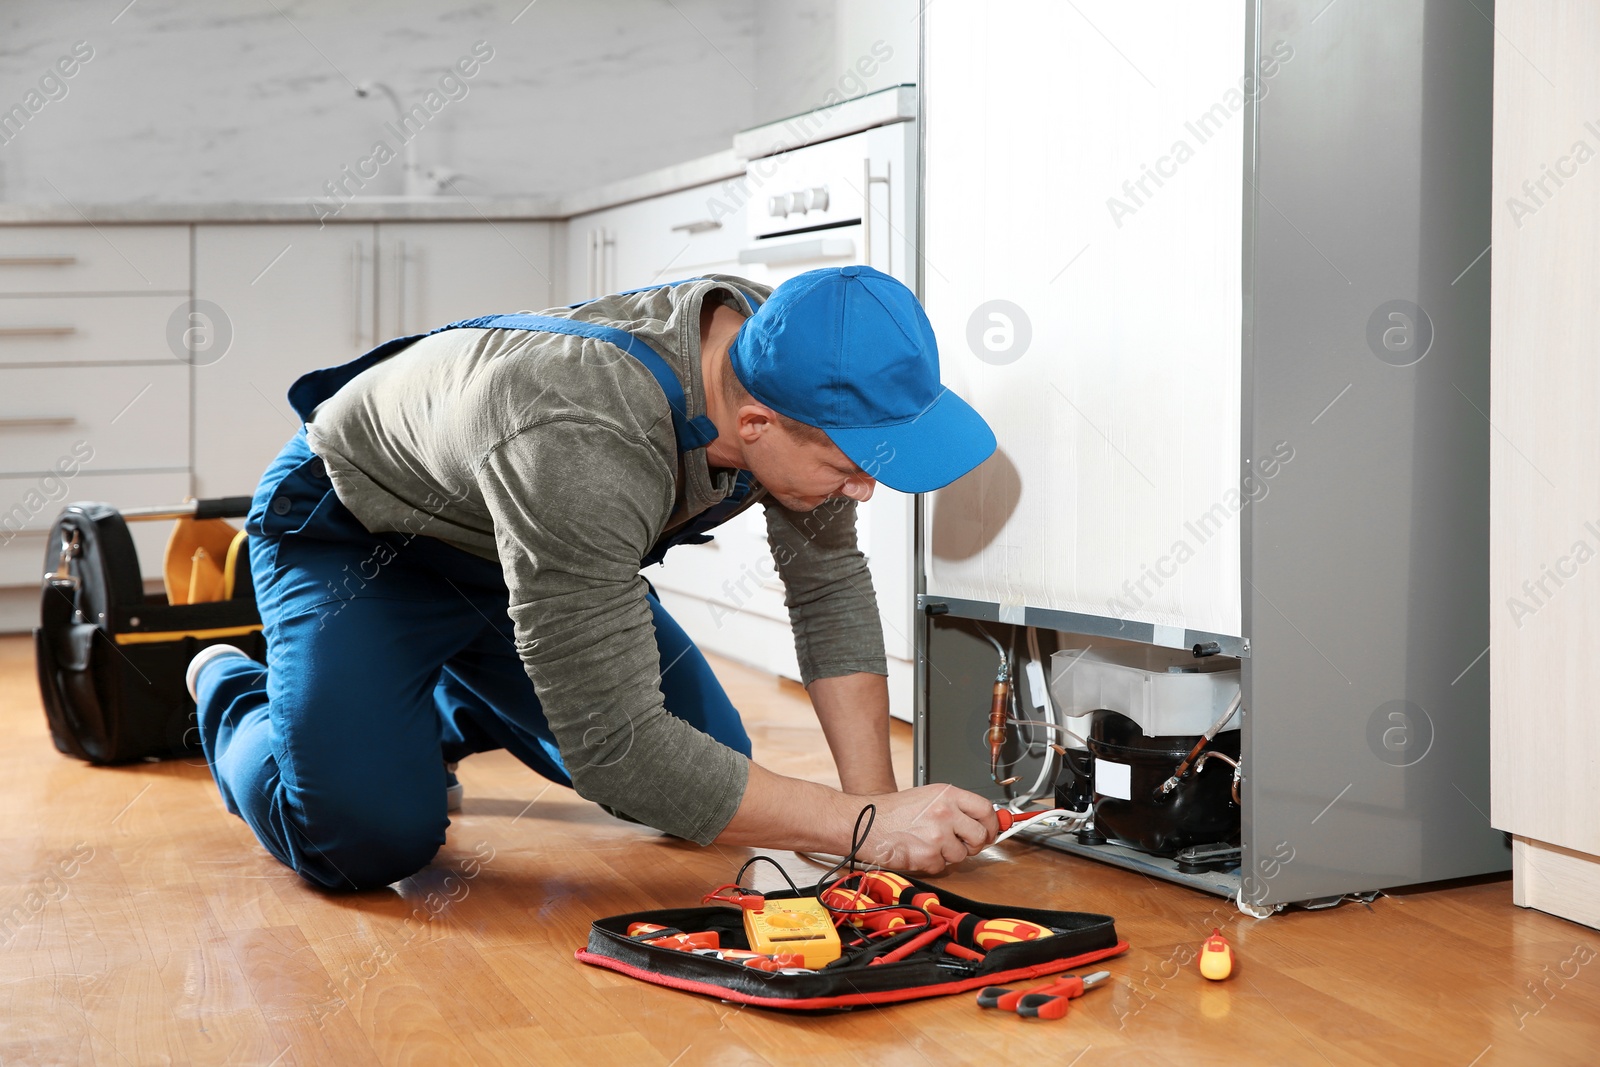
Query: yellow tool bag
{"x": 111, "y": 657}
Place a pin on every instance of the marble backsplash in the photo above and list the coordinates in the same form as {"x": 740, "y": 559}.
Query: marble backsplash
{"x": 173, "y": 101}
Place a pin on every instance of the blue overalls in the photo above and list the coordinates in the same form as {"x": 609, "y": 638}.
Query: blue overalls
{"x": 390, "y": 654}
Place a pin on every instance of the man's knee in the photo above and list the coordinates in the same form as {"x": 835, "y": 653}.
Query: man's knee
{"x": 369, "y": 846}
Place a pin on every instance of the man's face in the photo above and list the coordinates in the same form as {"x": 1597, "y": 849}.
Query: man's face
{"x": 801, "y": 474}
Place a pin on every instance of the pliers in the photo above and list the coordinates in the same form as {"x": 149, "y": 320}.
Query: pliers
{"x": 1042, "y": 1002}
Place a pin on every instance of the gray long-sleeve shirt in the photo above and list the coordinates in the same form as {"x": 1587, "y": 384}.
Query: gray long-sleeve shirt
{"x": 555, "y": 455}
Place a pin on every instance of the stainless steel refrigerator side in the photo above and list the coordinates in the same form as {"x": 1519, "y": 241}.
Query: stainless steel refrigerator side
{"x": 1252, "y": 133}
{"x": 1367, "y": 352}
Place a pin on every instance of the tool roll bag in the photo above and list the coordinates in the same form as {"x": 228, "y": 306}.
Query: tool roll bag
{"x": 854, "y": 979}
{"x": 111, "y": 658}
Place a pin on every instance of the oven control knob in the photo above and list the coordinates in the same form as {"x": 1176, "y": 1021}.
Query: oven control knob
{"x": 778, "y": 206}
{"x": 817, "y": 197}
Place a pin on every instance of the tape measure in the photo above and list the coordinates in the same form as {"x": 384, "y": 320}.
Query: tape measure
{"x": 798, "y": 924}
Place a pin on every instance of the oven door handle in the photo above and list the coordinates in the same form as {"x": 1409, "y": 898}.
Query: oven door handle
{"x": 867, "y": 182}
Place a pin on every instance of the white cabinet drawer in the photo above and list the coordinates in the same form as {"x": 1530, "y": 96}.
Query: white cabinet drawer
{"x": 89, "y": 259}
{"x": 100, "y": 329}
{"x": 28, "y": 507}
{"x": 696, "y": 228}
{"x": 665, "y": 238}
{"x": 128, "y": 417}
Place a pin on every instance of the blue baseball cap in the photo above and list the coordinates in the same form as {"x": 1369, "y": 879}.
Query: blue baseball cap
{"x": 850, "y": 351}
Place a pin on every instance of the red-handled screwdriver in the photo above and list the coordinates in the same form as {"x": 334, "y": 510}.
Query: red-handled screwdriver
{"x": 1052, "y": 1001}
{"x": 1008, "y": 818}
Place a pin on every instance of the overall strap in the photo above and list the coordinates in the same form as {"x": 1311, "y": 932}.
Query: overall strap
{"x": 692, "y": 433}
{"x": 314, "y": 387}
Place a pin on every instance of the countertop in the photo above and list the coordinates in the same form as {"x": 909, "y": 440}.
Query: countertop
{"x": 448, "y": 208}
{"x": 895, "y": 104}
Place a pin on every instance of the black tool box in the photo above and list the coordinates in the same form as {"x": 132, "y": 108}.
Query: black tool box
{"x": 111, "y": 658}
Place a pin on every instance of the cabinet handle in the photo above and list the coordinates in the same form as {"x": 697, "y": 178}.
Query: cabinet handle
{"x": 37, "y": 331}
{"x": 599, "y": 241}
{"x": 588, "y": 264}
{"x": 698, "y": 226}
{"x": 867, "y": 181}
{"x": 39, "y": 259}
{"x": 358, "y": 257}
{"x": 400, "y": 286}
{"x": 29, "y": 422}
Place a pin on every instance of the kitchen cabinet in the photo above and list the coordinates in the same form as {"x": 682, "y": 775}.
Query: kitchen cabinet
{"x": 274, "y": 302}
{"x": 94, "y": 399}
{"x": 1544, "y": 504}
{"x": 50, "y": 261}
{"x": 431, "y": 273}
{"x": 660, "y": 239}
{"x": 289, "y": 298}
{"x": 164, "y": 352}
{"x": 57, "y": 330}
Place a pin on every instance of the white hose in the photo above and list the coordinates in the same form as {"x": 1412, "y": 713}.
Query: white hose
{"x": 1061, "y": 816}
{"x": 1048, "y": 767}
{"x": 1233, "y": 706}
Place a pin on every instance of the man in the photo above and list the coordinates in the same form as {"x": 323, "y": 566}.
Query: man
{"x": 447, "y": 561}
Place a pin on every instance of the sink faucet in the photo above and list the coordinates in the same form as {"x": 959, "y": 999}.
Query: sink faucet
{"x": 412, "y": 175}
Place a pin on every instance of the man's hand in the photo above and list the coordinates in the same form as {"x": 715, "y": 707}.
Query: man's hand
{"x": 923, "y": 830}
{"x": 928, "y": 828}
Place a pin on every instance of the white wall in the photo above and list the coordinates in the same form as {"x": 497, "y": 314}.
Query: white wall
{"x": 235, "y": 100}
{"x": 807, "y": 49}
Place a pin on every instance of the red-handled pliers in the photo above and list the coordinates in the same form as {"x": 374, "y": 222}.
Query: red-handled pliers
{"x": 1042, "y": 1002}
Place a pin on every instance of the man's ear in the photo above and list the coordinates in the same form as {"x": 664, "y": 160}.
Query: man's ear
{"x": 755, "y": 420}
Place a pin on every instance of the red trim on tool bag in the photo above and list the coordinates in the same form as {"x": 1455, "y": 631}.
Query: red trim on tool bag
{"x": 848, "y": 1000}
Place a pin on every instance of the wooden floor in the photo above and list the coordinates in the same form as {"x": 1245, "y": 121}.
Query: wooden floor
{"x": 144, "y": 925}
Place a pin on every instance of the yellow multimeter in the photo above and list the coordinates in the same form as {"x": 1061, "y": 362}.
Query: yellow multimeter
{"x": 797, "y": 924}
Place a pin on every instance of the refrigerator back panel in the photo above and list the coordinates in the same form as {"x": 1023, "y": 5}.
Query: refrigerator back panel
{"x": 1083, "y": 279}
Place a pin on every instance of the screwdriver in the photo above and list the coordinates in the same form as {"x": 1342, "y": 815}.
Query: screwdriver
{"x": 1008, "y": 818}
